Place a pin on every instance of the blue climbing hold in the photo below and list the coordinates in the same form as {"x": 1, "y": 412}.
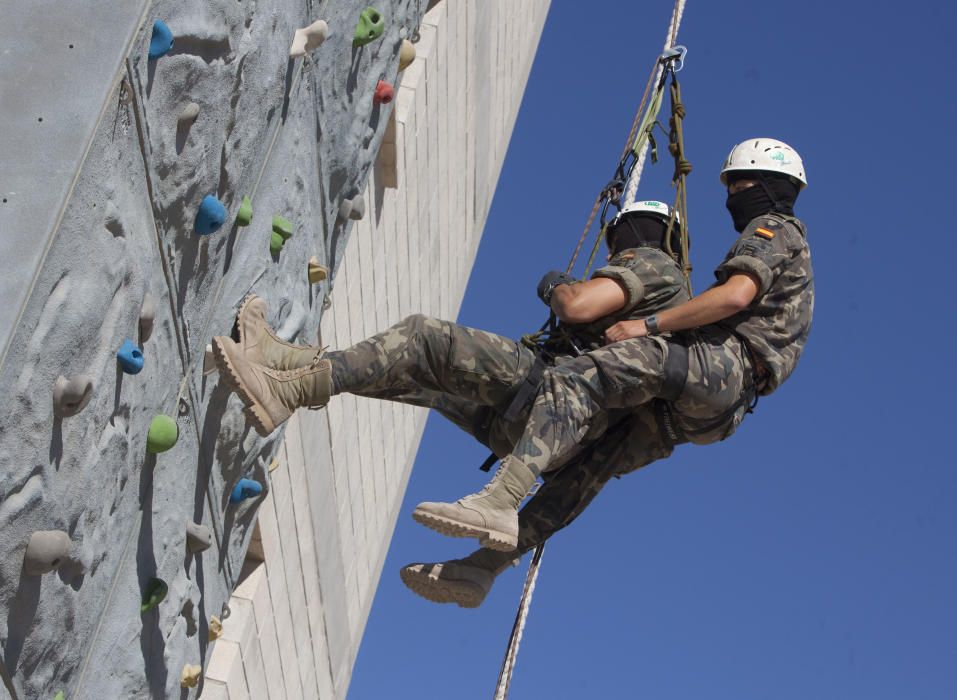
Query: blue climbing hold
{"x": 130, "y": 357}
{"x": 211, "y": 215}
{"x": 162, "y": 40}
{"x": 246, "y": 488}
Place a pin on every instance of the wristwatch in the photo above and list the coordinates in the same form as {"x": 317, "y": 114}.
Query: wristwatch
{"x": 651, "y": 323}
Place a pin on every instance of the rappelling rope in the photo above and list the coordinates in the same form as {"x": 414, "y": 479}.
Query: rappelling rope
{"x": 632, "y": 187}
{"x": 511, "y": 651}
{"x": 637, "y": 143}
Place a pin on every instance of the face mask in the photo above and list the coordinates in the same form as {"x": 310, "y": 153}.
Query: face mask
{"x": 635, "y": 231}
{"x": 770, "y": 194}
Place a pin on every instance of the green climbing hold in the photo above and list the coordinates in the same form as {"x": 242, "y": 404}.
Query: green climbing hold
{"x": 282, "y": 226}
{"x": 276, "y": 242}
{"x": 59, "y": 696}
{"x": 162, "y": 435}
{"x": 155, "y": 593}
{"x": 370, "y": 27}
{"x": 245, "y": 215}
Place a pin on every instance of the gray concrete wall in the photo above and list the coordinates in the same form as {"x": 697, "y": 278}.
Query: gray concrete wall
{"x": 99, "y": 202}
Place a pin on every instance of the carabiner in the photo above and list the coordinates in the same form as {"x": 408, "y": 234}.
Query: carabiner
{"x": 676, "y": 54}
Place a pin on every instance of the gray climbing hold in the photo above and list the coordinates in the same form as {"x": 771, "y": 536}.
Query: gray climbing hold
{"x": 308, "y": 38}
{"x": 70, "y": 396}
{"x": 189, "y": 114}
{"x": 147, "y": 317}
{"x": 46, "y": 551}
{"x": 354, "y": 208}
{"x": 198, "y": 537}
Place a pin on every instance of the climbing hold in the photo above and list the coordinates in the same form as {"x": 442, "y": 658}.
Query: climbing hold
{"x": 370, "y": 27}
{"x": 245, "y": 488}
{"x": 317, "y": 273}
{"x": 211, "y": 215}
{"x": 209, "y": 361}
{"x": 130, "y": 357}
{"x": 245, "y": 215}
{"x": 161, "y": 41}
{"x": 354, "y": 208}
{"x": 59, "y": 695}
{"x": 147, "y": 317}
{"x": 198, "y": 537}
{"x": 70, "y": 396}
{"x": 406, "y": 54}
{"x": 156, "y": 590}
{"x": 276, "y": 242}
{"x": 308, "y": 38}
{"x": 383, "y": 93}
{"x": 46, "y": 550}
{"x": 215, "y": 628}
{"x": 282, "y": 226}
{"x": 189, "y": 678}
{"x": 189, "y": 114}
{"x": 162, "y": 435}
{"x": 273, "y": 465}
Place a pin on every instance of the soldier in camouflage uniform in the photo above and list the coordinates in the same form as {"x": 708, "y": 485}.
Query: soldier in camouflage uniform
{"x": 739, "y": 339}
{"x": 470, "y": 376}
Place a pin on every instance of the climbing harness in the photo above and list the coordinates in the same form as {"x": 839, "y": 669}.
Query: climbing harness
{"x": 623, "y": 184}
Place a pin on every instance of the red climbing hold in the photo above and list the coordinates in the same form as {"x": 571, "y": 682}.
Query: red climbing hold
{"x": 383, "y": 93}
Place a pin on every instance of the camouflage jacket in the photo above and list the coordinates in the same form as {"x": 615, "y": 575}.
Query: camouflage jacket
{"x": 775, "y": 326}
{"x": 652, "y": 281}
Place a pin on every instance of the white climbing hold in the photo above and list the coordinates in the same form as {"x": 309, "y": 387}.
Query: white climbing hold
{"x": 209, "y": 362}
{"x": 189, "y": 114}
{"x": 70, "y": 396}
{"x": 354, "y": 208}
{"x": 46, "y": 551}
{"x": 147, "y": 317}
{"x": 198, "y": 537}
{"x": 308, "y": 38}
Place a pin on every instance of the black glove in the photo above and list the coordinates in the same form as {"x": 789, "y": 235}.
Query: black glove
{"x": 549, "y": 282}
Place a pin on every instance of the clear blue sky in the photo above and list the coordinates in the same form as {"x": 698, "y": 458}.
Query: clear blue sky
{"x": 812, "y": 555}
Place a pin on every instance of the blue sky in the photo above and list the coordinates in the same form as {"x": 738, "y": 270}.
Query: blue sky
{"x": 812, "y": 555}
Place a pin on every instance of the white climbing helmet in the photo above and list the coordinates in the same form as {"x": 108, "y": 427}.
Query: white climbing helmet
{"x": 769, "y": 155}
{"x": 648, "y": 206}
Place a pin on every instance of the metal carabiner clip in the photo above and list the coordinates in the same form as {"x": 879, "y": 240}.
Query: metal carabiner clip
{"x": 676, "y": 54}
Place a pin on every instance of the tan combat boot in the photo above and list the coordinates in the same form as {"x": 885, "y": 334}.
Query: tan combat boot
{"x": 271, "y": 395}
{"x": 491, "y": 515}
{"x": 260, "y": 343}
{"x": 464, "y": 582}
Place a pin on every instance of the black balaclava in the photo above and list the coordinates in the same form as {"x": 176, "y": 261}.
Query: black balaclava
{"x": 773, "y": 193}
{"x": 636, "y": 230}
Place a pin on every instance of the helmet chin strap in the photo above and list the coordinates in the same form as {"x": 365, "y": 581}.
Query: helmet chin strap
{"x": 778, "y": 206}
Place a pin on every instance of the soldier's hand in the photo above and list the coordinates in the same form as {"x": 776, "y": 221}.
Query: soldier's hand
{"x": 623, "y": 330}
{"x": 551, "y": 280}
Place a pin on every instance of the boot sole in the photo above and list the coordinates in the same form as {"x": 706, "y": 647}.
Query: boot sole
{"x": 439, "y": 591}
{"x": 488, "y": 538}
{"x": 255, "y": 413}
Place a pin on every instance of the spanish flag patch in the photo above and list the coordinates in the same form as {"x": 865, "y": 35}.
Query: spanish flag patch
{"x": 764, "y": 233}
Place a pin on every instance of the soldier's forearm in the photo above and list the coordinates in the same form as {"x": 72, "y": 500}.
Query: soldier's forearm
{"x": 711, "y": 306}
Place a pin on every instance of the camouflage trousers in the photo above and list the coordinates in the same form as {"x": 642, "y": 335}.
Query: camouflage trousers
{"x": 632, "y": 373}
{"x": 463, "y": 373}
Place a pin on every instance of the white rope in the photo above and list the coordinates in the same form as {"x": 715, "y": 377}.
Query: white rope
{"x": 511, "y": 653}
{"x": 632, "y": 187}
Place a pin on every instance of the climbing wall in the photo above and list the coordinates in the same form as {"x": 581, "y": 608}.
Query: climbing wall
{"x": 118, "y": 168}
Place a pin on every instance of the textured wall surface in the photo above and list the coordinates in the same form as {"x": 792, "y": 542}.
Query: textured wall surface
{"x": 99, "y": 203}
{"x": 298, "y": 616}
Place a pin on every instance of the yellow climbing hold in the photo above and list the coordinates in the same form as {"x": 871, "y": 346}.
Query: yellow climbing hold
{"x": 406, "y": 54}
{"x": 189, "y": 678}
{"x": 317, "y": 273}
{"x": 215, "y": 628}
